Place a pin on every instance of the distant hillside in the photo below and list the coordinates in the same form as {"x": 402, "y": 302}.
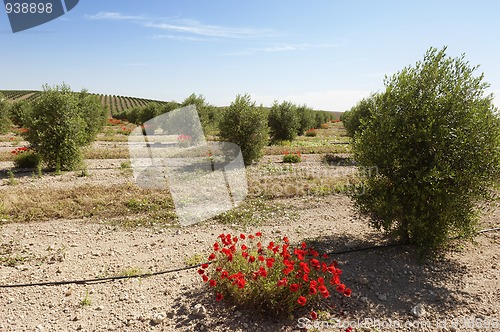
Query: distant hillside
{"x": 115, "y": 104}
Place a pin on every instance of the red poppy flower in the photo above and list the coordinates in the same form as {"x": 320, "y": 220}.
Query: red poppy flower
{"x": 325, "y": 294}
{"x": 282, "y": 282}
{"x": 204, "y": 266}
{"x": 314, "y": 315}
{"x": 304, "y": 245}
{"x": 218, "y": 269}
{"x": 244, "y": 247}
{"x": 242, "y": 236}
{"x": 261, "y": 258}
{"x": 258, "y": 234}
{"x": 294, "y": 287}
{"x": 216, "y": 246}
{"x": 224, "y": 274}
{"x": 244, "y": 254}
{"x": 205, "y": 278}
{"x": 285, "y": 239}
{"x": 348, "y": 292}
{"x": 213, "y": 282}
{"x": 341, "y": 288}
{"x": 322, "y": 289}
{"x": 241, "y": 283}
{"x": 211, "y": 257}
{"x": 251, "y": 259}
{"x": 218, "y": 297}
{"x": 302, "y": 300}
{"x": 312, "y": 290}
{"x": 201, "y": 271}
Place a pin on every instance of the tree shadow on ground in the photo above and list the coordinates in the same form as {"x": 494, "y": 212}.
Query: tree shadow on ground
{"x": 386, "y": 282}
{"x": 390, "y": 280}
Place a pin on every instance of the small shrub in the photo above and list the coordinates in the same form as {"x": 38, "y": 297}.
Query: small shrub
{"x": 274, "y": 279}
{"x": 311, "y": 132}
{"x": 294, "y": 157}
{"x": 184, "y": 141}
{"x": 26, "y": 159}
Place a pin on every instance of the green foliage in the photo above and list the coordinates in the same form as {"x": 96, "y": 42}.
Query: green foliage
{"x": 148, "y": 112}
{"x": 306, "y": 119}
{"x": 4, "y": 114}
{"x": 358, "y": 115}
{"x": 19, "y": 112}
{"x": 283, "y": 121}
{"x": 292, "y": 158}
{"x": 60, "y": 123}
{"x": 27, "y": 159}
{"x": 245, "y": 124}
{"x": 435, "y": 137}
{"x": 311, "y": 132}
{"x": 208, "y": 114}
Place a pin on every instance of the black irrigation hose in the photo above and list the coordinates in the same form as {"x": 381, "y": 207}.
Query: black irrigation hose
{"x": 99, "y": 280}
{"x": 145, "y": 275}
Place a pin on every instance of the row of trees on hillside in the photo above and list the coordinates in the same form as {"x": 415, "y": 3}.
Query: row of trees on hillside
{"x": 60, "y": 121}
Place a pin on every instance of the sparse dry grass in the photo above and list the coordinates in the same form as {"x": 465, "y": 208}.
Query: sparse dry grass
{"x": 87, "y": 201}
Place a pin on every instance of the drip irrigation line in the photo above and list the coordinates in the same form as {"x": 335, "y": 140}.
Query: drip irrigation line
{"x": 101, "y": 280}
{"x": 145, "y": 275}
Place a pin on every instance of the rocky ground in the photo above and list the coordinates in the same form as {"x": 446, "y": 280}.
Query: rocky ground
{"x": 392, "y": 291}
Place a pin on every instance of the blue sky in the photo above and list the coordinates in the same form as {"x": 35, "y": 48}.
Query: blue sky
{"x": 327, "y": 54}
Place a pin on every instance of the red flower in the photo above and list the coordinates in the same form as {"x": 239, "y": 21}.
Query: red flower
{"x": 258, "y": 234}
{"x": 270, "y": 262}
{"x": 216, "y": 246}
{"x": 201, "y": 271}
{"x": 285, "y": 239}
{"x": 282, "y": 282}
{"x": 242, "y": 236}
{"x": 262, "y": 272}
{"x": 322, "y": 289}
{"x": 218, "y": 297}
{"x": 304, "y": 245}
{"x": 244, "y": 247}
{"x": 302, "y": 300}
{"x": 211, "y": 257}
{"x": 251, "y": 259}
{"x": 294, "y": 287}
{"x": 325, "y": 294}
{"x": 261, "y": 258}
{"x": 335, "y": 280}
{"x": 314, "y": 315}
{"x": 348, "y": 292}
{"x": 341, "y": 288}
{"x": 312, "y": 290}
{"x": 204, "y": 266}
{"x": 224, "y": 274}
{"x": 349, "y": 329}
{"x": 213, "y": 282}
{"x": 205, "y": 278}
{"x": 241, "y": 283}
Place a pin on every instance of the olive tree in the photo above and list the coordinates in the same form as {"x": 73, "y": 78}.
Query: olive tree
{"x": 60, "y": 123}
{"x": 284, "y": 121}
{"x": 4, "y": 114}
{"x": 434, "y": 136}
{"x": 245, "y": 124}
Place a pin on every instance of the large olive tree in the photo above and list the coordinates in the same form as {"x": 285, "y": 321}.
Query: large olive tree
{"x": 434, "y": 135}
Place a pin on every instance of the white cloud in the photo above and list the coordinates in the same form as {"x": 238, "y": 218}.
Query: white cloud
{"x": 114, "y": 16}
{"x": 328, "y": 100}
{"x": 184, "y": 26}
{"x": 281, "y": 48}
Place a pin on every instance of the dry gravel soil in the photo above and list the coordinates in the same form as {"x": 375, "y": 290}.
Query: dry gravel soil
{"x": 392, "y": 291}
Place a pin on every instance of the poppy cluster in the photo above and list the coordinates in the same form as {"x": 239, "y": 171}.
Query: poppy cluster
{"x": 298, "y": 275}
{"x": 19, "y": 151}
